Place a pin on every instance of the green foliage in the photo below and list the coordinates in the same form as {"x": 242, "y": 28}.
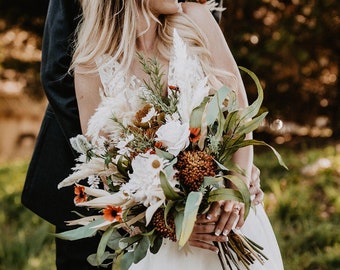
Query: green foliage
{"x": 25, "y": 241}
{"x": 304, "y": 206}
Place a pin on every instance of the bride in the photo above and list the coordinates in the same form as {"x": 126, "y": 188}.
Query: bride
{"x": 111, "y": 35}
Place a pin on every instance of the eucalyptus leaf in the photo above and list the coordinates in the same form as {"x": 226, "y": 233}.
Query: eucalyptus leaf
{"x": 141, "y": 249}
{"x": 190, "y": 214}
{"x": 211, "y": 181}
{"x": 178, "y": 223}
{"x": 169, "y": 192}
{"x": 156, "y": 245}
{"x": 126, "y": 261}
{"x": 93, "y": 260}
{"x": 128, "y": 241}
{"x": 103, "y": 242}
{"x": 113, "y": 242}
{"x": 197, "y": 114}
{"x": 164, "y": 154}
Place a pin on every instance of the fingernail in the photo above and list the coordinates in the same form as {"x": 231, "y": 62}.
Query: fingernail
{"x": 225, "y": 232}
{"x": 209, "y": 217}
{"x": 217, "y": 232}
{"x": 237, "y": 228}
{"x": 224, "y": 239}
{"x": 217, "y": 251}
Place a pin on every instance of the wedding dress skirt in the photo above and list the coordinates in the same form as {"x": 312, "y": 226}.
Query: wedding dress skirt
{"x": 257, "y": 227}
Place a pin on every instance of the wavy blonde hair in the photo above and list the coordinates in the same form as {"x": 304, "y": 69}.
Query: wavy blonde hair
{"x": 104, "y": 29}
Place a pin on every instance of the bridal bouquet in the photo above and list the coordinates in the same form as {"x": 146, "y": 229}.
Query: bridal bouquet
{"x": 163, "y": 163}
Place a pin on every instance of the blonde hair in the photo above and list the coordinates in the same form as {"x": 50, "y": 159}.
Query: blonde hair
{"x": 108, "y": 27}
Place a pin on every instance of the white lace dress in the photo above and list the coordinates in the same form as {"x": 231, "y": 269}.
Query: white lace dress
{"x": 120, "y": 97}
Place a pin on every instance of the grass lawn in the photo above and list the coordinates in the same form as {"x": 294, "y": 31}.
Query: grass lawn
{"x": 303, "y": 205}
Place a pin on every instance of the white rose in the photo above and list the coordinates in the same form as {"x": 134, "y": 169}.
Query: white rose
{"x": 174, "y": 136}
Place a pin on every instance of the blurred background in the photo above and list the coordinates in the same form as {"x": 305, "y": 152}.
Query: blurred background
{"x": 293, "y": 47}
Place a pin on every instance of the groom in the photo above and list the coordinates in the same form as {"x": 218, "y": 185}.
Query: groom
{"x": 53, "y": 156}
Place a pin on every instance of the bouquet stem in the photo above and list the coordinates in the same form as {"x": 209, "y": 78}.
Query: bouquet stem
{"x": 239, "y": 250}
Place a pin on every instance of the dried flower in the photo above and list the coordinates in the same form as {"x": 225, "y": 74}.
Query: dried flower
{"x": 81, "y": 196}
{"x": 192, "y": 166}
{"x": 165, "y": 230}
{"x": 113, "y": 213}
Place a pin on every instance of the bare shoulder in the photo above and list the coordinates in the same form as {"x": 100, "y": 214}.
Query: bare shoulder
{"x": 199, "y": 13}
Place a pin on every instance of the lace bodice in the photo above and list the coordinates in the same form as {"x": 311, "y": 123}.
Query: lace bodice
{"x": 121, "y": 94}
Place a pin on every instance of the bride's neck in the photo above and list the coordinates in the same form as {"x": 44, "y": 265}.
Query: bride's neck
{"x": 146, "y": 37}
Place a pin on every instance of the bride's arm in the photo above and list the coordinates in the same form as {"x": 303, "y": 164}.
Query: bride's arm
{"x": 87, "y": 93}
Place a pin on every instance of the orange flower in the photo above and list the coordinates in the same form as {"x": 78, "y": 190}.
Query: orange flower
{"x": 174, "y": 88}
{"x": 158, "y": 145}
{"x": 113, "y": 213}
{"x": 81, "y": 196}
{"x": 194, "y": 134}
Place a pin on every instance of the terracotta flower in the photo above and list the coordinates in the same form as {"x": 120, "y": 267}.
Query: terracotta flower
{"x": 113, "y": 213}
{"x": 194, "y": 134}
{"x": 81, "y": 196}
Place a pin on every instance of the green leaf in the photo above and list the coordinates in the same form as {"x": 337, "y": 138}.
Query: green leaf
{"x": 178, "y": 223}
{"x": 250, "y": 126}
{"x": 164, "y": 154}
{"x": 169, "y": 192}
{"x": 141, "y": 249}
{"x": 252, "y": 110}
{"x": 223, "y": 194}
{"x": 156, "y": 245}
{"x": 197, "y": 114}
{"x": 103, "y": 242}
{"x": 215, "y": 104}
{"x": 190, "y": 213}
{"x": 255, "y": 143}
{"x": 126, "y": 261}
{"x": 128, "y": 241}
{"x": 113, "y": 242}
{"x": 232, "y": 122}
{"x": 81, "y": 232}
{"x": 244, "y": 191}
{"x": 92, "y": 259}
{"x": 211, "y": 181}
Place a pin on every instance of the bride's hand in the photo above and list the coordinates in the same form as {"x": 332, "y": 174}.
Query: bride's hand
{"x": 204, "y": 233}
{"x": 230, "y": 215}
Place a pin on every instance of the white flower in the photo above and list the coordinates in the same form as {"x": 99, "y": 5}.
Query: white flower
{"x": 174, "y": 136}
{"x": 144, "y": 184}
{"x": 122, "y": 145}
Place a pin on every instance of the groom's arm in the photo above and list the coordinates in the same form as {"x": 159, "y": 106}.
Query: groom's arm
{"x": 58, "y": 84}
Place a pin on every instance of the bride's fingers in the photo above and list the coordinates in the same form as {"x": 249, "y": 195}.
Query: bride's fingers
{"x": 203, "y": 245}
{"x": 231, "y": 213}
{"x": 202, "y": 219}
{"x": 213, "y": 210}
{"x": 240, "y": 221}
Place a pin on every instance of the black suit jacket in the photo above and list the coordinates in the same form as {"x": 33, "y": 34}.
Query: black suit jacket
{"x": 53, "y": 156}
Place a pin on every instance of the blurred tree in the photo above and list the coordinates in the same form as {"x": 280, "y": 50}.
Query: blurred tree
{"x": 293, "y": 46}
